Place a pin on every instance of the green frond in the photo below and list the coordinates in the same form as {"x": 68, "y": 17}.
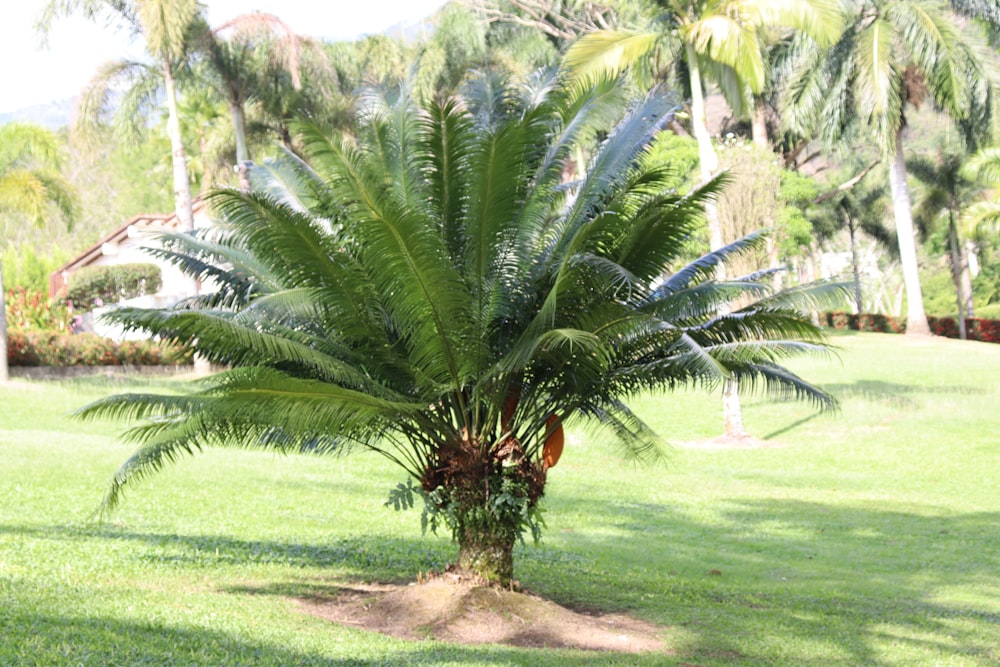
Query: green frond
{"x": 598, "y": 55}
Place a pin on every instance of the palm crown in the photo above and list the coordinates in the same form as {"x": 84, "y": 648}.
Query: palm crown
{"x": 434, "y": 289}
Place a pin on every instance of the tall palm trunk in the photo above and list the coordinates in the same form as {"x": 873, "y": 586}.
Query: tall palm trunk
{"x": 4, "y": 373}
{"x": 239, "y": 131}
{"x": 758, "y": 125}
{"x": 182, "y": 186}
{"x": 708, "y": 160}
{"x": 956, "y": 274}
{"x": 916, "y": 318}
{"x": 855, "y": 268}
{"x": 968, "y": 258}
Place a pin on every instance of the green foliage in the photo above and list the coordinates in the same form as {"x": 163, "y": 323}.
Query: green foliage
{"x": 48, "y": 348}
{"x": 113, "y": 283}
{"x": 25, "y": 267}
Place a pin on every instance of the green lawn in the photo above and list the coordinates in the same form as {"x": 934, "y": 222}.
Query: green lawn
{"x": 871, "y": 538}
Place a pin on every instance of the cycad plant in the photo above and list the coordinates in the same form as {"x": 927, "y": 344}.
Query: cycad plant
{"x": 432, "y": 288}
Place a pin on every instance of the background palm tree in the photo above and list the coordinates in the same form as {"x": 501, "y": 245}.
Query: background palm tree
{"x": 30, "y": 188}
{"x": 945, "y": 194}
{"x": 894, "y": 54}
{"x": 431, "y": 290}
{"x": 168, "y": 27}
{"x": 983, "y": 168}
{"x": 722, "y": 42}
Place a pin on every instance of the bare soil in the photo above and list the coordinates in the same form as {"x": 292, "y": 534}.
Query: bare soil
{"x": 450, "y": 609}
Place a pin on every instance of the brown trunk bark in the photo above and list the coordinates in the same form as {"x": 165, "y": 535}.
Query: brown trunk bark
{"x": 486, "y": 556}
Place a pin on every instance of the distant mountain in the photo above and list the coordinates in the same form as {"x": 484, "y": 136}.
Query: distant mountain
{"x": 52, "y": 115}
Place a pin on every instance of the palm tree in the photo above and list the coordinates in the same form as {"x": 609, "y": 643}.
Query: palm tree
{"x": 860, "y": 209}
{"x": 983, "y": 168}
{"x": 720, "y": 41}
{"x": 430, "y": 289}
{"x": 896, "y": 53}
{"x": 717, "y": 41}
{"x": 30, "y": 186}
{"x": 946, "y": 194}
{"x": 242, "y": 57}
{"x": 168, "y": 27}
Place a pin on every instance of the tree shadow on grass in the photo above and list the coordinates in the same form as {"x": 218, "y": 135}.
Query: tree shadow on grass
{"x": 41, "y": 638}
{"x": 894, "y": 393}
{"x": 364, "y": 556}
{"x": 826, "y": 583}
{"x": 853, "y": 579}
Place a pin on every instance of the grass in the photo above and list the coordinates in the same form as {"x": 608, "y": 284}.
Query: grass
{"x": 868, "y": 539}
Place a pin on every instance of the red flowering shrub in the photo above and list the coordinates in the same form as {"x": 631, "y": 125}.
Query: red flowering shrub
{"x": 987, "y": 331}
{"x": 54, "y": 349}
{"x": 33, "y": 311}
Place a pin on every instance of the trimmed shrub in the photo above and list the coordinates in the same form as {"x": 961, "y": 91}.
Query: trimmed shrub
{"x": 55, "y": 349}
{"x": 113, "y": 283}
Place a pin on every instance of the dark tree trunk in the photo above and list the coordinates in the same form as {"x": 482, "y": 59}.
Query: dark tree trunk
{"x": 487, "y": 555}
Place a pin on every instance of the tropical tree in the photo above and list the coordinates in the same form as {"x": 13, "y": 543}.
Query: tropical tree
{"x": 719, "y": 41}
{"x": 169, "y": 28}
{"x": 30, "y": 187}
{"x": 983, "y": 168}
{"x": 430, "y": 289}
{"x": 707, "y": 41}
{"x": 895, "y": 54}
{"x": 946, "y": 193}
{"x": 242, "y": 58}
{"x": 860, "y": 209}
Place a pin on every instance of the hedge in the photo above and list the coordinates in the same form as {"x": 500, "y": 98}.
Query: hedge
{"x": 987, "y": 331}
{"x": 55, "y": 349}
{"x": 112, "y": 283}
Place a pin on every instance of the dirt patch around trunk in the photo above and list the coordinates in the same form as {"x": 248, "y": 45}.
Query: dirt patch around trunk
{"x": 449, "y": 609}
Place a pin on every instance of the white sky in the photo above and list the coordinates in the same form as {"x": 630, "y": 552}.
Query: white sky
{"x": 31, "y": 74}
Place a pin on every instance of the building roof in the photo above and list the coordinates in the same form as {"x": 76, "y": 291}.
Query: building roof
{"x": 144, "y": 222}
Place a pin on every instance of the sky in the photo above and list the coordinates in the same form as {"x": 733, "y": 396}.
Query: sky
{"x": 33, "y": 74}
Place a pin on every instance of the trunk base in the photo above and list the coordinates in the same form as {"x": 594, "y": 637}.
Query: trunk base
{"x": 487, "y": 557}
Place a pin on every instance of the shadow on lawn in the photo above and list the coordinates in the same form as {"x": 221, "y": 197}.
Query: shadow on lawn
{"x": 60, "y": 639}
{"x": 825, "y": 584}
{"x": 894, "y": 393}
{"x": 801, "y": 574}
{"x": 362, "y": 556}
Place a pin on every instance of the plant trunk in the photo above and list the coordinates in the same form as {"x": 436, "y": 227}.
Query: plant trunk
{"x": 916, "y": 318}
{"x": 240, "y": 131}
{"x": 968, "y": 257}
{"x": 488, "y": 556}
{"x": 4, "y": 372}
{"x": 182, "y": 186}
{"x": 758, "y": 126}
{"x": 956, "y": 274}
{"x": 732, "y": 411}
{"x": 858, "y": 303}
{"x": 708, "y": 160}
